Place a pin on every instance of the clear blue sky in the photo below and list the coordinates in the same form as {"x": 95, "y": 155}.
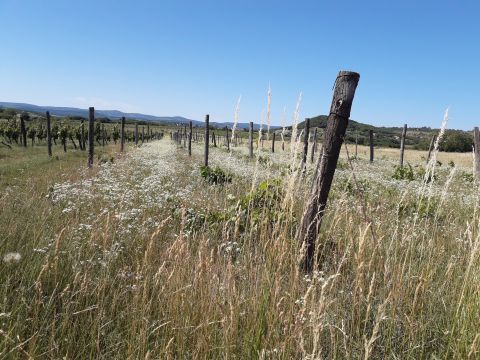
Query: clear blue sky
{"x": 190, "y": 58}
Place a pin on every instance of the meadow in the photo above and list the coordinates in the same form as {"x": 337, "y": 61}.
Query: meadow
{"x": 146, "y": 256}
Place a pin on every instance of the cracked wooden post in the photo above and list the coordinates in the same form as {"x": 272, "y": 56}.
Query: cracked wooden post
{"x": 345, "y": 86}
{"x": 430, "y": 148}
{"x": 306, "y": 135}
{"x": 370, "y": 136}
{"x": 190, "y": 135}
{"x": 49, "y": 134}
{"x": 207, "y": 138}
{"x": 273, "y": 142}
{"x": 91, "y": 135}
{"x": 476, "y": 142}
{"x": 314, "y": 146}
{"x": 250, "y": 139}
{"x": 122, "y": 134}
{"x": 402, "y": 144}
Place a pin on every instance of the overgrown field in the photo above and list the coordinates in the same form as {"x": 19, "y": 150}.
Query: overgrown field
{"x": 149, "y": 255}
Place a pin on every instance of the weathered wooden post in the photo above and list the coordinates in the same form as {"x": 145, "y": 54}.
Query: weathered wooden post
{"x": 214, "y": 139}
{"x": 148, "y": 132}
{"x": 143, "y": 134}
{"x": 49, "y": 134}
{"x": 23, "y": 129}
{"x": 190, "y": 135}
{"x": 314, "y": 146}
{"x": 345, "y": 86}
{"x": 402, "y": 144}
{"x": 228, "y": 139}
{"x": 185, "y": 135}
{"x": 82, "y": 135}
{"x": 136, "y": 134}
{"x": 306, "y": 135}
{"x": 476, "y": 143}
{"x": 370, "y": 135}
{"x": 91, "y": 135}
{"x": 103, "y": 134}
{"x": 250, "y": 139}
{"x": 430, "y": 148}
{"x": 207, "y": 138}
{"x": 122, "y": 134}
{"x": 273, "y": 142}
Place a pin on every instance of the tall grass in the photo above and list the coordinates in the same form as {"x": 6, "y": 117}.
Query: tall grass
{"x": 143, "y": 259}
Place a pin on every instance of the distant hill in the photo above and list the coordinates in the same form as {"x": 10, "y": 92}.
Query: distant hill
{"x": 113, "y": 115}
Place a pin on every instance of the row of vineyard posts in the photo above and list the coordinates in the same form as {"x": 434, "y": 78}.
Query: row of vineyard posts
{"x": 334, "y": 136}
{"x": 81, "y": 137}
{"x": 185, "y": 137}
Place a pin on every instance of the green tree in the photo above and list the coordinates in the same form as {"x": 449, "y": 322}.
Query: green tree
{"x": 456, "y": 141}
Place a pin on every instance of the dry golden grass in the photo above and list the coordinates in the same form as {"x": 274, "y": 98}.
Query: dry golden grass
{"x": 142, "y": 259}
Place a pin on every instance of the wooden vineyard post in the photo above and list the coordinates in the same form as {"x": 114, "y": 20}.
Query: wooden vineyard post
{"x": 207, "y": 138}
{"x": 214, "y": 139}
{"x": 148, "y": 132}
{"x": 345, "y": 86}
{"x": 190, "y": 135}
{"x": 82, "y": 136}
{"x": 370, "y": 135}
{"x": 185, "y": 135}
{"x": 122, "y": 134}
{"x": 103, "y": 134}
{"x": 402, "y": 144}
{"x": 306, "y": 135}
{"x": 250, "y": 139}
{"x": 23, "y": 129}
{"x": 143, "y": 134}
{"x": 49, "y": 134}
{"x": 314, "y": 146}
{"x": 476, "y": 143}
{"x": 430, "y": 148}
{"x": 227, "y": 138}
{"x": 136, "y": 134}
{"x": 91, "y": 135}
{"x": 273, "y": 142}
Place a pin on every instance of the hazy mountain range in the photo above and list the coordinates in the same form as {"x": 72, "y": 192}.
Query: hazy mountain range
{"x": 115, "y": 114}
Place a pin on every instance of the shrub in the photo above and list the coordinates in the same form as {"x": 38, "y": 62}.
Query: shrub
{"x": 468, "y": 176}
{"x": 403, "y": 173}
{"x": 215, "y": 176}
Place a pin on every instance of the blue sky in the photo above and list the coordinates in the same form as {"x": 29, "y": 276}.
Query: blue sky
{"x": 189, "y": 58}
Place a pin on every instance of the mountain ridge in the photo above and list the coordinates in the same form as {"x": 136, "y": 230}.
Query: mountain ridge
{"x": 64, "y": 111}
